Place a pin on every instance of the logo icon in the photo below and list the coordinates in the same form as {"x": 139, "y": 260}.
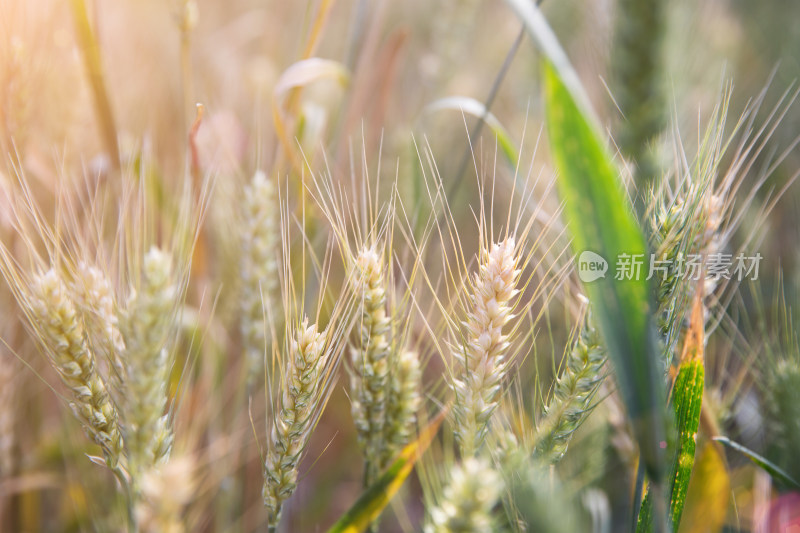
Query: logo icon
{"x": 591, "y": 266}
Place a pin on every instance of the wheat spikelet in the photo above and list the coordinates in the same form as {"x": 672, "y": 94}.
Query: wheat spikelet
{"x": 258, "y": 270}
{"x": 467, "y": 500}
{"x": 55, "y": 320}
{"x": 95, "y": 300}
{"x": 148, "y": 322}
{"x": 684, "y": 229}
{"x": 370, "y": 360}
{"x": 481, "y": 359}
{"x": 572, "y": 395}
{"x": 402, "y": 403}
{"x": 300, "y": 403}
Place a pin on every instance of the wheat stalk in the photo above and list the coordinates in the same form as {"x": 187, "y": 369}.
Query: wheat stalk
{"x": 481, "y": 359}
{"x": 7, "y": 411}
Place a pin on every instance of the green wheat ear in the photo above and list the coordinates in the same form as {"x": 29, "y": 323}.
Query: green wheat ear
{"x": 405, "y": 383}
{"x": 637, "y": 61}
{"x": 573, "y": 394}
{"x": 783, "y": 415}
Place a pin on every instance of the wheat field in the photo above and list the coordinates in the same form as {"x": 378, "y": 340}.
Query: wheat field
{"x": 452, "y": 266}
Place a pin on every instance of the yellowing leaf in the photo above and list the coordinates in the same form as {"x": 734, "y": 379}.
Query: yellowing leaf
{"x": 372, "y": 502}
{"x": 708, "y": 494}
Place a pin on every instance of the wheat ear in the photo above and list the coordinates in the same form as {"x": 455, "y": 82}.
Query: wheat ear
{"x": 682, "y": 229}
{"x": 572, "y": 395}
{"x": 165, "y": 492}
{"x": 55, "y": 320}
{"x": 783, "y": 414}
{"x": 258, "y": 270}
{"x": 370, "y": 361}
{"x": 95, "y": 300}
{"x": 402, "y": 405}
{"x": 480, "y": 360}
{"x": 300, "y": 403}
{"x": 148, "y": 322}
{"x": 467, "y": 501}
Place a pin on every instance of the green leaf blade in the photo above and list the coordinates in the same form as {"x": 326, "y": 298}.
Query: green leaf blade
{"x": 600, "y": 220}
{"x": 768, "y": 466}
{"x": 688, "y": 401}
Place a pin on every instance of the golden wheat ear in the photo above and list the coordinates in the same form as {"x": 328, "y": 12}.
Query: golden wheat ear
{"x": 63, "y": 339}
{"x": 148, "y": 325}
{"x": 481, "y": 359}
{"x": 385, "y": 373}
{"x": 305, "y": 369}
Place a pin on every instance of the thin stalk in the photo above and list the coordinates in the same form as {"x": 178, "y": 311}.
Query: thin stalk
{"x": 478, "y": 127}
{"x": 94, "y": 68}
{"x": 487, "y": 105}
{"x": 129, "y": 499}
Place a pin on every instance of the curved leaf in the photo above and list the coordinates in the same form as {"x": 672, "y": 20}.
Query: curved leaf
{"x": 372, "y": 502}
{"x": 475, "y": 108}
{"x": 768, "y": 466}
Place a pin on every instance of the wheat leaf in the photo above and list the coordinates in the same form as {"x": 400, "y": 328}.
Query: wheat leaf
{"x": 600, "y": 220}
{"x": 768, "y": 466}
{"x": 373, "y": 500}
